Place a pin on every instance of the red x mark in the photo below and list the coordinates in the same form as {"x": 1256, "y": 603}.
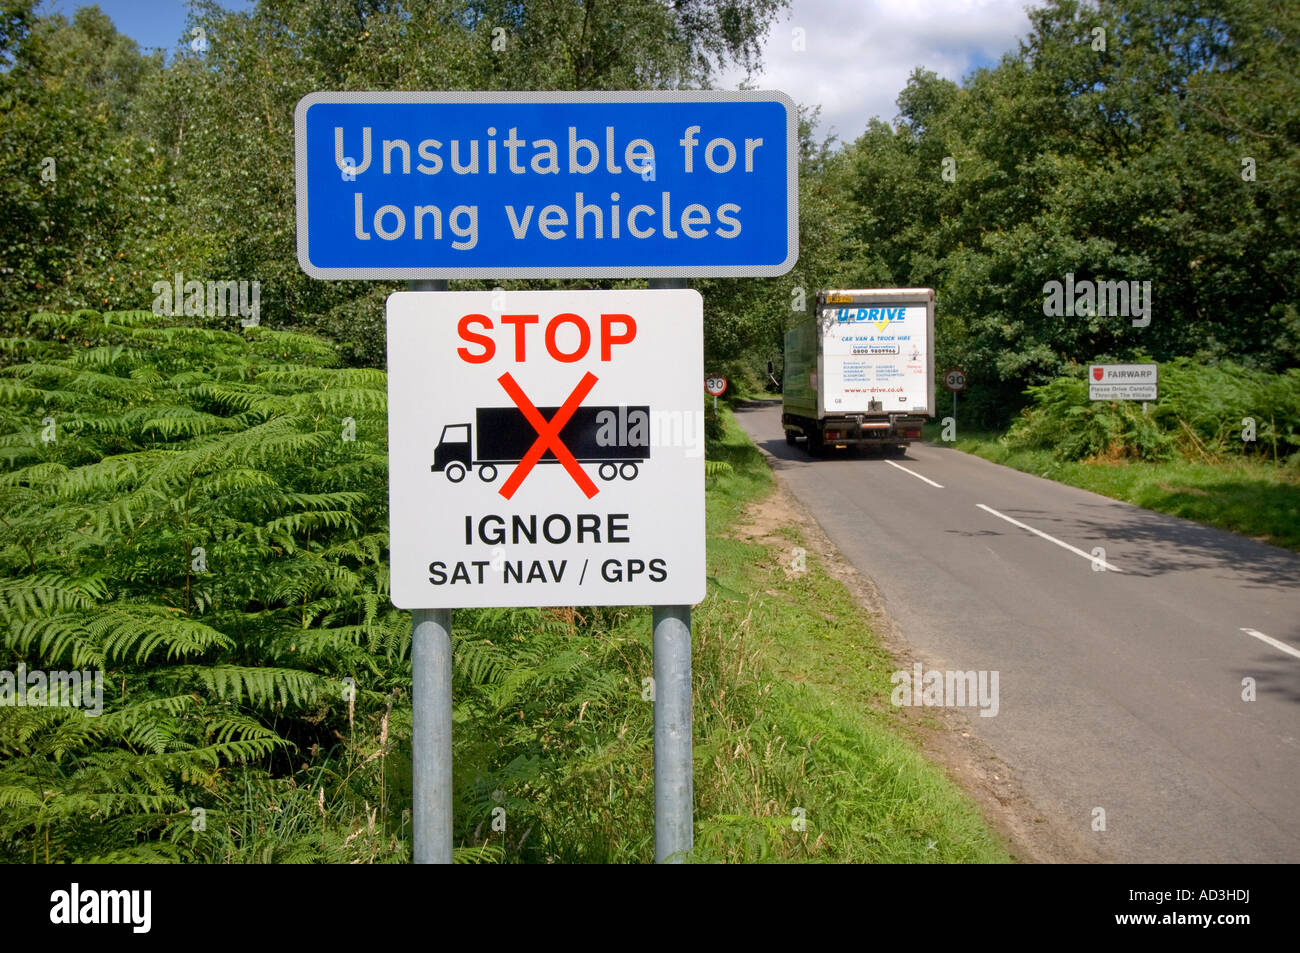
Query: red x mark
{"x": 548, "y": 435}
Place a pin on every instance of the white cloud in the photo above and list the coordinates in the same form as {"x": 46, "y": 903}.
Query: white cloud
{"x": 859, "y": 54}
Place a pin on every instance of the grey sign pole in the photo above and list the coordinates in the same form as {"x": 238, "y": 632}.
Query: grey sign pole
{"x": 674, "y": 779}
{"x": 674, "y": 772}
{"x": 431, "y": 719}
{"x": 431, "y": 735}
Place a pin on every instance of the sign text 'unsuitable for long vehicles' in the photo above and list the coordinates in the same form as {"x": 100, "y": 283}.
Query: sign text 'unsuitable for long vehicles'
{"x": 562, "y": 184}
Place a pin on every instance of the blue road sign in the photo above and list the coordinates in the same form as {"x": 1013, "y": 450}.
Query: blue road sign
{"x": 546, "y": 184}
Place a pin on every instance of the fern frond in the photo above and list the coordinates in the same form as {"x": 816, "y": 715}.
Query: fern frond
{"x": 258, "y": 685}
{"x": 121, "y": 628}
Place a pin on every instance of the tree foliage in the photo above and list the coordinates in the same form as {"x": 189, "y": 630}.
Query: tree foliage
{"x": 1113, "y": 145}
{"x": 188, "y": 167}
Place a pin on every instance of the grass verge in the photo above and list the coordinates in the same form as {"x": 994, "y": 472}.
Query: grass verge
{"x": 1254, "y": 498}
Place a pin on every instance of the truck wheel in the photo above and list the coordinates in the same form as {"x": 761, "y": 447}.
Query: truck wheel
{"x": 896, "y": 450}
{"x": 455, "y": 472}
{"x": 487, "y": 472}
{"x": 816, "y": 446}
{"x": 628, "y": 471}
{"x": 607, "y": 471}
{"x": 790, "y": 437}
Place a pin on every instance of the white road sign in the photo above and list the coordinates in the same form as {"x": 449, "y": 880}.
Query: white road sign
{"x": 1122, "y": 382}
{"x": 545, "y": 448}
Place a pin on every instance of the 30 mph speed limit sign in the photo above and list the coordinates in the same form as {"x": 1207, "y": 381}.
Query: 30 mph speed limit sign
{"x": 715, "y": 385}
{"x": 954, "y": 379}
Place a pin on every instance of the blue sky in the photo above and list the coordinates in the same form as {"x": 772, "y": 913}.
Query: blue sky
{"x": 857, "y": 56}
{"x": 149, "y": 22}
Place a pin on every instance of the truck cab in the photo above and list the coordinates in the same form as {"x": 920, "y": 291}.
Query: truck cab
{"x": 454, "y": 453}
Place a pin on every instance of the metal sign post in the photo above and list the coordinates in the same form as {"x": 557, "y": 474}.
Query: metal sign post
{"x": 715, "y": 384}
{"x": 674, "y": 768}
{"x": 431, "y": 735}
{"x": 955, "y": 380}
{"x": 431, "y": 718}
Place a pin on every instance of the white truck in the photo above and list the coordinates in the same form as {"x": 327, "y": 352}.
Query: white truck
{"x": 860, "y": 371}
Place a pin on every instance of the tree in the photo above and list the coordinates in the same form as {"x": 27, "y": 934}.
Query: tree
{"x": 1118, "y": 143}
{"x": 78, "y": 185}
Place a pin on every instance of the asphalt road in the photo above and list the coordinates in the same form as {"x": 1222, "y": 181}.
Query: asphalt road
{"x": 1120, "y": 675}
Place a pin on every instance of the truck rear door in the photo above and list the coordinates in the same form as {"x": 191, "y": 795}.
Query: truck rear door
{"x": 875, "y": 357}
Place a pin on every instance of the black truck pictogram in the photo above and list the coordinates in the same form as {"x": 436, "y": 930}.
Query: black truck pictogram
{"x": 616, "y": 438}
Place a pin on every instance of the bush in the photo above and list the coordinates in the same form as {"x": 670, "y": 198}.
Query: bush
{"x": 1202, "y": 411}
{"x": 198, "y": 516}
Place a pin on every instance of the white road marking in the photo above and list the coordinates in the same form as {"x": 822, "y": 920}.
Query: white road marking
{"x": 915, "y": 474}
{"x": 1051, "y": 539}
{"x": 1273, "y": 642}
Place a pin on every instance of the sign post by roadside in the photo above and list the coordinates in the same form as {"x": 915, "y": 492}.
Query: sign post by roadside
{"x": 954, "y": 378}
{"x": 673, "y": 717}
{"x": 546, "y": 185}
{"x": 716, "y": 385}
{"x": 1123, "y": 382}
{"x": 431, "y": 760}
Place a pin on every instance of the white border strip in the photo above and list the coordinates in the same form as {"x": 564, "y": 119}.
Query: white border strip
{"x": 632, "y": 269}
{"x": 915, "y": 474}
{"x": 1050, "y": 539}
{"x": 1273, "y": 642}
